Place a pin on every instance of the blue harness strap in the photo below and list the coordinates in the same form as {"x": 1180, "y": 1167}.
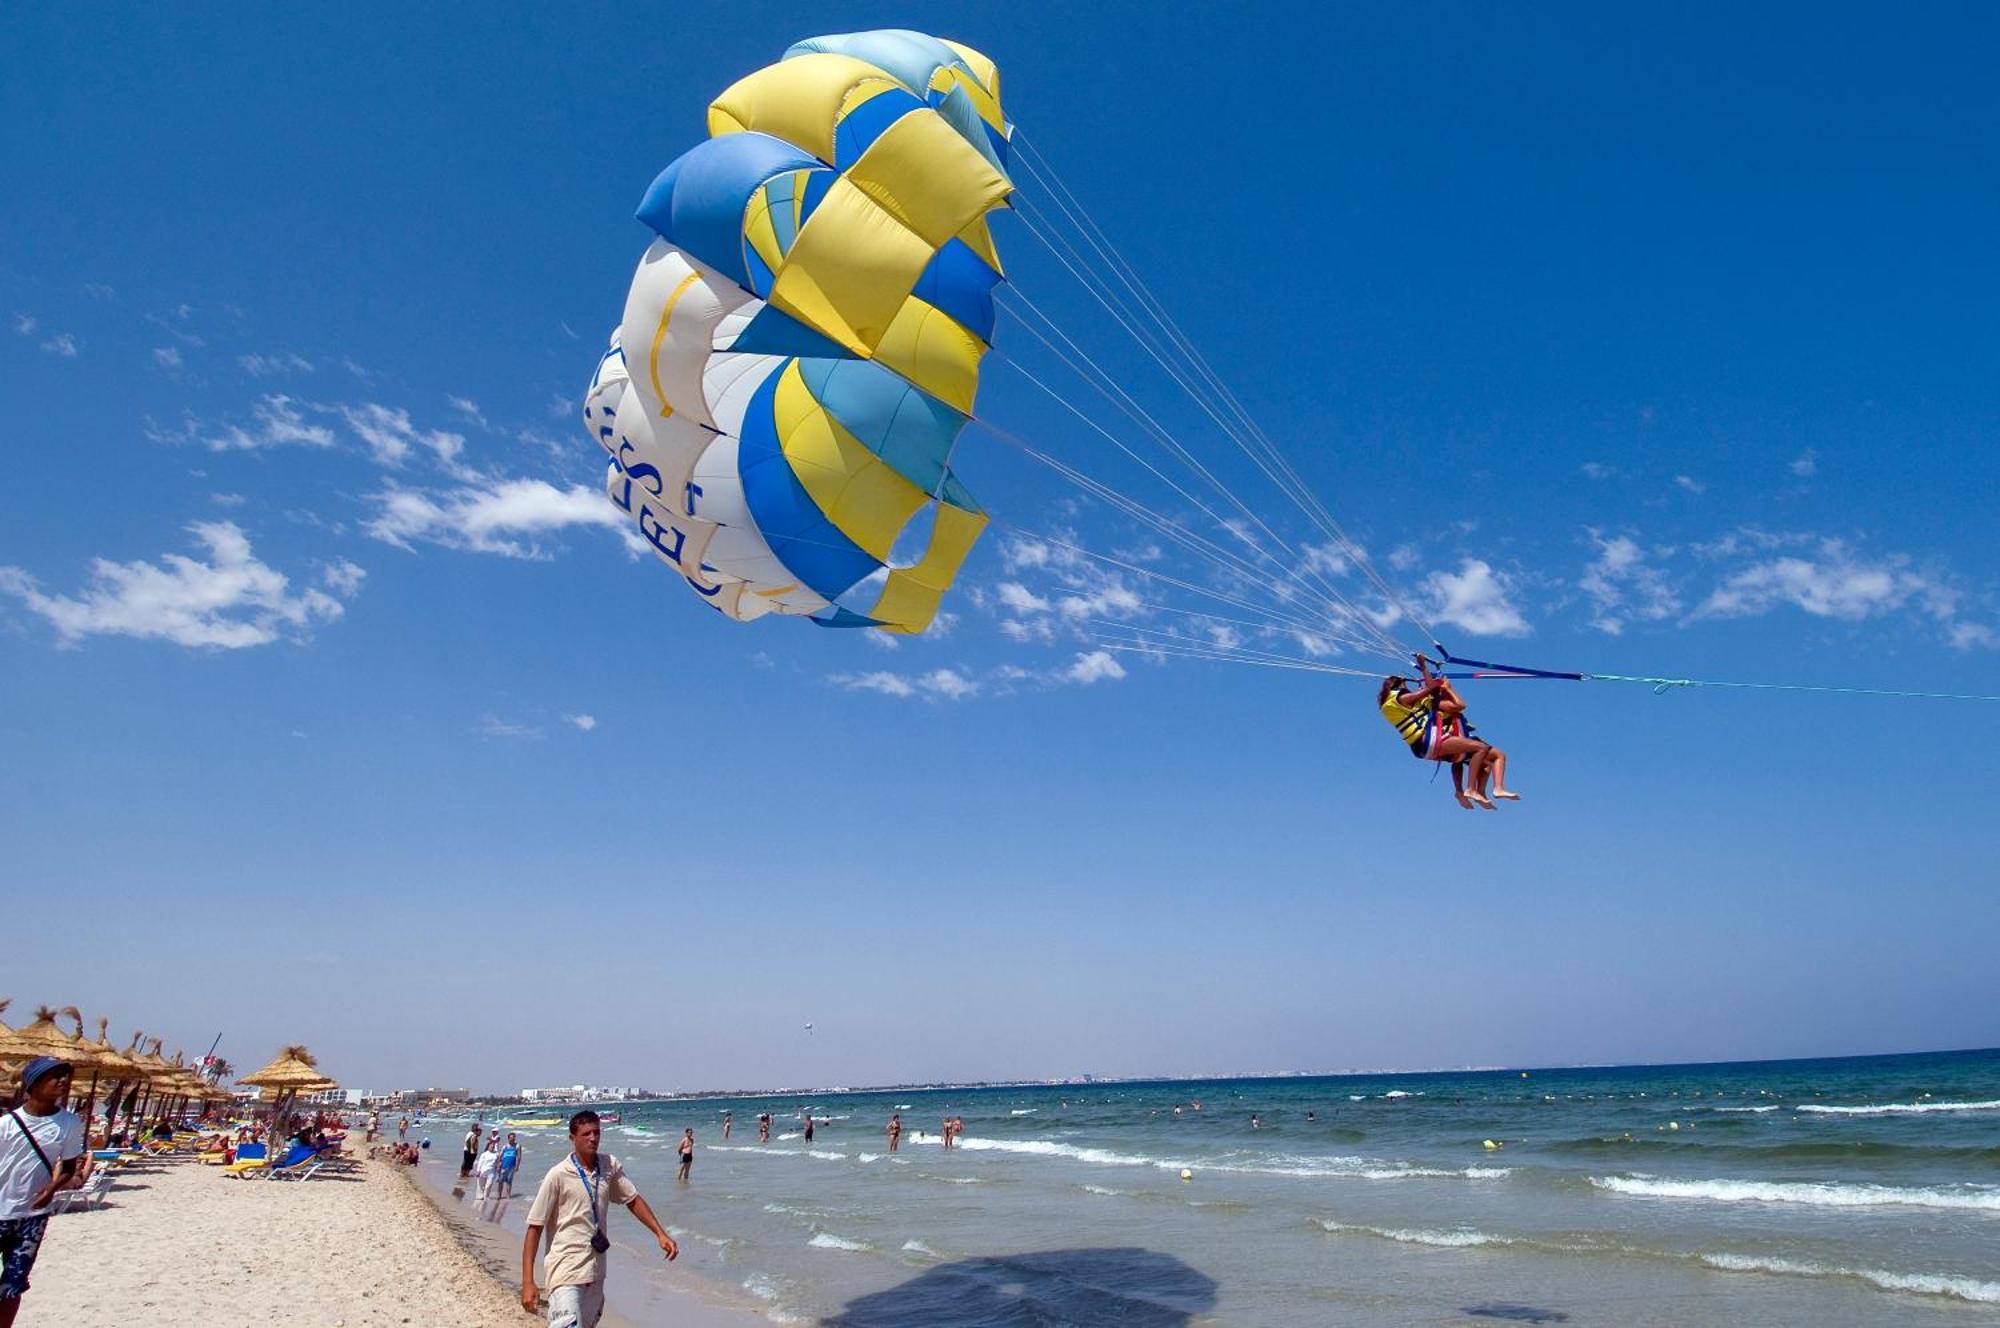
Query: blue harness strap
{"x": 1502, "y": 670}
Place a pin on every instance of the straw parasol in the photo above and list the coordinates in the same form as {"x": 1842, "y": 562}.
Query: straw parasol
{"x": 293, "y": 1071}
{"x": 10, "y": 1058}
{"x": 97, "y": 1057}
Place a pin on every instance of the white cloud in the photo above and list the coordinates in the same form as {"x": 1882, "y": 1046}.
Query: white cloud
{"x": 228, "y": 602}
{"x": 1622, "y": 587}
{"x": 938, "y": 684}
{"x": 391, "y": 436}
{"x": 1806, "y": 464}
{"x": 493, "y": 726}
{"x": 1833, "y": 583}
{"x": 343, "y": 578}
{"x": 1026, "y": 630}
{"x": 274, "y": 366}
{"x": 584, "y": 722}
{"x": 1018, "y": 599}
{"x": 97, "y": 290}
{"x": 505, "y": 517}
{"x": 1476, "y": 598}
{"x": 889, "y": 684}
{"x": 25, "y": 324}
{"x": 1691, "y": 484}
{"x": 275, "y": 421}
{"x": 167, "y": 357}
{"x": 1597, "y": 470}
{"x": 227, "y": 499}
{"x": 1097, "y": 666}
{"x": 63, "y": 344}
{"x": 469, "y": 408}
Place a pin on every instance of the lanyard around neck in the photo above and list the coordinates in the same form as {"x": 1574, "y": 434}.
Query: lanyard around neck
{"x": 596, "y": 1169}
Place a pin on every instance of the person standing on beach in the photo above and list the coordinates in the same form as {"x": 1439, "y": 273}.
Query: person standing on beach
{"x": 510, "y": 1162}
{"x": 807, "y": 1116}
{"x": 725, "y": 1124}
{"x": 764, "y": 1128}
{"x": 471, "y": 1152}
{"x": 40, "y": 1148}
{"x": 687, "y": 1153}
{"x": 570, "y": 1207}
{"x": 487, "y": 1168}
{"x": 895, "y": 1129}
{"x": 403, "y": 1130}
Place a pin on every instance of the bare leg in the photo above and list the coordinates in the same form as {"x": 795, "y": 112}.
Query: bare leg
{"x": 1500, "y": 789}
{"x": 1458, "y": 785}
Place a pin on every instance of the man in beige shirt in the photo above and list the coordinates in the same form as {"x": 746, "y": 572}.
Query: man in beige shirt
{"x": 571, "y": 1206}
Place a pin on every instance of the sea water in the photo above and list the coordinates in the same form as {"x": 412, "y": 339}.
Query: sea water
{"x": 1858, "y": 1191}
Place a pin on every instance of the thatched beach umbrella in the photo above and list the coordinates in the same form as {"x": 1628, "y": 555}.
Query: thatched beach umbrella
{"x": 293, "y": 1071}
{"x": 96, "y": 1057}
{"x": 11, "y": 1059}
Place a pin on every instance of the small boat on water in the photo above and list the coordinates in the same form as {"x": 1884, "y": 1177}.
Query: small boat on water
{"x": 609, "y": 1118}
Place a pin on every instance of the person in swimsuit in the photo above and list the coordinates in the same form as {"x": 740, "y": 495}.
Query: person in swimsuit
{"x": 1431, "y": 719}
{"x": 687, "y": 1153}
{"x": 726, "y": 1121}
{"x": 895, "y": 1130}
{"x": 807, "y": 1117}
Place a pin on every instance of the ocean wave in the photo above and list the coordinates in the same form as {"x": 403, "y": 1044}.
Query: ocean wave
{"x": 826, "y": 1240}
{"x": 1050, "y": 1148}
{"x": 1105, "y": 1190}
{"x": 1458, "y": 1238}
{"x": 1822, "y": 1194}
{"x": 1278, "y": 1164}
{"x": 794, "y": 1212}
{"x": 1747, "y": 1111}
{"x": 1901, "y": 1108}
{"x": 869, "y": 1157}
{"x": 1397, "y": 1092}
{"x": 918, "y": 1247}
{"x": 1934, "y": 1284}
{"x": 1024, "y": 1111}
{"x": 826, "y": 1155}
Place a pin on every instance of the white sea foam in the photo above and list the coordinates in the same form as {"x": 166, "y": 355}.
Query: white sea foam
{"x": 1397, "y": 1092}
{"x": 826, "y": 1155}
{"x": 1934, "y": 1284}
{"x": 918, "y": 1247}
{"x": 1050, "y": 1148}
{"x": 794, "y": 1212}
{"x": 1024, "y": 1111}
{"x": 1901, "y": 1108}
{"x": 1357, "y": 1097}
{"x": 1815, "y": 1193}
{"x": 1455, "y": 1239}
{"x": 782, "y": 1137}
{"x": 1105, "y": 1190}
{"x": 1754, "y": 1111}
{"x": 826, "y": 1240}
{"x": 869, "y": 1157}
{"x": 761, "y": 1287}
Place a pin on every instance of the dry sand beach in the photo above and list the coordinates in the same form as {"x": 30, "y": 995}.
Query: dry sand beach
{"x": 180, "y": 1243}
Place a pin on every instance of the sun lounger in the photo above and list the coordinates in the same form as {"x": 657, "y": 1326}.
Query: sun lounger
{"x": 91, "y": 1192}
{"x": 249, "y": 1158}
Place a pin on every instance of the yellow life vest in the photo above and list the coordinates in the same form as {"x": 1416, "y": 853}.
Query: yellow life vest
{"x": 1411, "y": 723}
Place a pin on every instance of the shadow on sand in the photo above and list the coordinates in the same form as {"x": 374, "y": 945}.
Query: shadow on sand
{"x": 1128, "y": 1288}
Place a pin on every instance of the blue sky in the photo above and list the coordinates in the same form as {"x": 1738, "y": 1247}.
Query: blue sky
{"x": 337, "y": 707}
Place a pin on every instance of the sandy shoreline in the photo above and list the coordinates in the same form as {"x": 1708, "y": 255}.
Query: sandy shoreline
{"x": 178, "y": 1242}
{"x": 641, "y": 1289}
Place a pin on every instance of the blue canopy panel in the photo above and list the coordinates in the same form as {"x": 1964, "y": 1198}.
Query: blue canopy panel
{"x": 908, "y": 57}
{"x": 907, "y": 428}
{"x": 958, "y": 281}
{"x": 840, "y": 616}
{"x": 697, "y": 203}
{"x": 811, "y": 547}
{"x": 962, "y": 115}
{"x": 867, "y": 121}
